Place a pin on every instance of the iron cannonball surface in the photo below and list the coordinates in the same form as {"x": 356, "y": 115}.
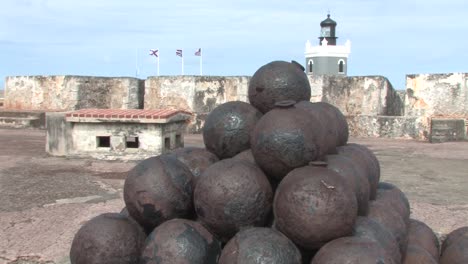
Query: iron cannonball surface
{"x": 232, "y": 194}
{"x": 365, "y": 162}
{"x": 245, "y": 155}
{"x": 327, "y": 119}
{"x": 421, "y": 235}
{"x": 396, "y": 198}
{"x": 370, "y": 154}
{"x": 109, "y": 238}
{"x": 352, "y": 250}
{"x": 456, "y": 252}
{"x": 373, "y": 230}
{"x": 196, "y": 159}
{"x": 277, "y": 81}
{"x": 354, "y": 176}
{"x": 286, "y": 138}
{"x": 227, "y": 128}
{"x": 453, "y": 236}
{"x": 382, "y": 212}
{"x": 340, "y": 119}
{"x": 313, "y": 206}
{"x": 418, "y": 255}
{"x": 260, "y": 245}
{"x": 158, "y": 189}
{"x": 181, "y": 241}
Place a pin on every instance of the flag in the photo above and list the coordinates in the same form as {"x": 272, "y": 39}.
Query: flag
{"x": 154, "y": 53}
{"x": 198, "y": 52}
{"x": 179, "y": 52}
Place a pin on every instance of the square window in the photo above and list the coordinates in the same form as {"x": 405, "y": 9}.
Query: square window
{"x": 103, "y": 141}
{"x": 132, "y": 142}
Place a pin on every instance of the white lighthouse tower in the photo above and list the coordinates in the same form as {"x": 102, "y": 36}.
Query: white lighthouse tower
{"x": 327, "y": 57}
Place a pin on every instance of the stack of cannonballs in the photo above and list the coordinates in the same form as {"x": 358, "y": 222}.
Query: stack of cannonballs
{"x": 277, "y": 183}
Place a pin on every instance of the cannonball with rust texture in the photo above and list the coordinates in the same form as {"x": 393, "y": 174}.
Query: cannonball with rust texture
{"x": 368, "y": 228}
{"x": 196, "y": 159}
{"x": 396, "y": 198}
{"x": 109, "y": 238}
{"x": 455, "y": 251}
{"x": 278, "y": 81}
{"x": 352, "y": 250}
{"x": 286, "y": 138}
{"x": 227, "y": 128}
{"x": 181, "y": 241}
{"x": 158, "y": 189}
{"x": 339, "y": 119}
{"x": 259, "y": 245}
{"x": 313, "y": 206}
{"x": 421, "y": 235}
{"x": 362, "y": 159}
{"x": 354, "y": 176}
{"x": 232, "y": 194}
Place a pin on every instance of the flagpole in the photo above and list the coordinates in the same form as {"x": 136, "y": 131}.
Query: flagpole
{"x": 201, "y": 69}
{"x": 182, "y": 58}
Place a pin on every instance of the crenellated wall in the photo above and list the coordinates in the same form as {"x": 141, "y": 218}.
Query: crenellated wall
{"x": 60, "y": 93}
{"x": 372, "y": 106}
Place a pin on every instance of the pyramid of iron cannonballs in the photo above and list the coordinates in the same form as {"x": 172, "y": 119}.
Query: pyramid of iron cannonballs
{"x": 277, "y": 182}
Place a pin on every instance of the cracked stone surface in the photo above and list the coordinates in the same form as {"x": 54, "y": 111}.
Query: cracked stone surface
{"x": 44, "y": 200}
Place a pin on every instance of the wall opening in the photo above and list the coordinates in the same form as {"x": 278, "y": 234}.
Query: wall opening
{"x": 167, "y": 143}
{"x": 311, "y": 66}
{"x": 178, "y": 141}
{"x": 132, "y": 142}
{"x": 341, "y": 66}
{"x": 103, "y": 141}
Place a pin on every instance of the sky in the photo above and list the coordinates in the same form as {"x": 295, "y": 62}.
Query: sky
{"x": 113, "y": 37}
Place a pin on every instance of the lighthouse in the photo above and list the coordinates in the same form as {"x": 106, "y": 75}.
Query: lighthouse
{"x": 327, "y": 57}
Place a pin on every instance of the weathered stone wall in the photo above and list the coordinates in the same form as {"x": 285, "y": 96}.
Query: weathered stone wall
{"x": 437, "y": 95}
{"x": 430, "y": 96}
{"x": 197, "y": 94}
{"x": 72, "y": 92}
{"x": 385, "y": 126}
{"x": 357, "y": 95}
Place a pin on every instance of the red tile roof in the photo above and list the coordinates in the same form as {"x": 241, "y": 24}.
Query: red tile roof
{"x": 130, "y": 115}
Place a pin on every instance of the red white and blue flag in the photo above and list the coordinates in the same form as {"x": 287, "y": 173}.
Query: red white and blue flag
{"x": 154, "y": 53}
{"x": 179, "y": 52}
{"x": 198, "y": 52}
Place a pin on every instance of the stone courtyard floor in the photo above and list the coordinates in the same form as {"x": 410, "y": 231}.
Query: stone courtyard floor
{"x": 44, "y": 200}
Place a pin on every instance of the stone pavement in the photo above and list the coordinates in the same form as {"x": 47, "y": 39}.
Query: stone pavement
{"x": 44, "y": 200}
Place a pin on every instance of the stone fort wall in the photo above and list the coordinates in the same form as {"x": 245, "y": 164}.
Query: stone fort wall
{"x": 372, "y": 106}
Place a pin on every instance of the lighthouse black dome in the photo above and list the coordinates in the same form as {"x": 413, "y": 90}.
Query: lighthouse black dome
{"x": 328, "y": 22}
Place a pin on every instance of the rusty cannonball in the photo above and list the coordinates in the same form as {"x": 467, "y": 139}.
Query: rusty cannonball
{"x": 245, "y": 155}
{"x": 362, "y": 159}
{"x": 158, "y": 189}
{"x": 278, "y": 81}
{"x": 455, "y": 247}
{"x": 382, "y": 212}
{"x": 196, "y": 159}
{"x": 228, "y": 127}
{"x": 370, "y": 155}
{"x": 313, "y": 206}
{"x": 109, "y": 238}
{"x": 396, "y": 198}
{"x": 181, "y": 241}
{"x": 418, "y": 255}
{"x": 341, "y": 123}
{"x": 354, "y": 176}
{"x": 453, "y": 236}
{"x": 232, "y": 194}
{"x": 373, "y": 230}
{"x": 286, "y": 138}
{"x": 421, "y": 235}
{"x": 329, "y": 126}
{"x": 260, "y": 245}
{"x": 352, "y": 250}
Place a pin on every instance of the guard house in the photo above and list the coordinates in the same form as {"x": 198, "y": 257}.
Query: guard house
{"x": 327, "y": 58}
{"x": 112, "y": 134}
